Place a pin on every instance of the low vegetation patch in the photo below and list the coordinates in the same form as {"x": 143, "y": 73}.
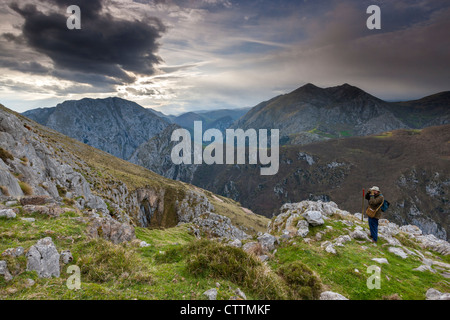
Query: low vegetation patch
{"x": 172, "y": 255}
{"x": 101, "y": 261}
{"x": 304, "y": 284}
{"x": 26, "y": 188}
{"x": 210, "y": 259}
{"x": 4, "y": 190}
{"x": 5, "y": 155}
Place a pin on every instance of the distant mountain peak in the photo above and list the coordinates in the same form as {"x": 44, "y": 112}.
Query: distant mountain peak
{"x": 308, "y": 88}
{"x": 344, "y": 91}
{"x": 348, "y": 92}
{"x": 309, "y": 85}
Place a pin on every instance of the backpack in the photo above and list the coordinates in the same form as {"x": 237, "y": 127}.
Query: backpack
{"x": 371, "y": 212}
{"x": 385, "y": 205}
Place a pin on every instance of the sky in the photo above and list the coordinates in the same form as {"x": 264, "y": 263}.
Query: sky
{"x": 177, "y": 56}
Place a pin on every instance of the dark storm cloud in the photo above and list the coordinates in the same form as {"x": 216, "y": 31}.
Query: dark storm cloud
{"x": 26, "y": 67}
{"x": 13, "y": 38}
{"x": 105, "y": 46}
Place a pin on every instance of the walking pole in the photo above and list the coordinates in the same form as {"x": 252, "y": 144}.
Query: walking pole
{"x": 362, "y": 210}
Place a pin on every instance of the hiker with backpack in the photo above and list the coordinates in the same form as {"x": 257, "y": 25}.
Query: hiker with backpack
{"x": 376, "y": 201}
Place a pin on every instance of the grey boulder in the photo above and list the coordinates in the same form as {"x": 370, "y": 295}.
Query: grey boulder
{"x": 111, "y": 230}
{"x": 398, "y": 251}
{"x": 330, "y": 295}
{"x": 66, "y": 257}
{"x": 267, "y": 241}
{"x": 211, "y": 294}
{"x": 303, "y": 228}
{"x": 433, "y": 294}
{"x": 13, "y": 252}
{"x": 359, "y": 235}
{"x": 7, "y": 213}
{"x": 4, "y": 271}
{"x": 314, "y": 218}
{"x": 44, "y": 259}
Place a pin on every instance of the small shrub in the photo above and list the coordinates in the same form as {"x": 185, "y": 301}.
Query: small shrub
{"x": 102, "y": 261}
{"x": 26, "y": 188}
{"x": 257, "y": 250}
{"x": 69, "y": 202}
{"x": 304, "y": 284}
{"x": 394, "y": 296}
{"x": 4, "y": 190}
{"x": 61, "y": 190}
{"x": 19, "y": 176}
{"x": 5, "y": 155}
{"x": 208, "y": 258}
{"x": 24, "y": 160}
{"x": 16, "y": 266}
{"x": 71, "y": 214}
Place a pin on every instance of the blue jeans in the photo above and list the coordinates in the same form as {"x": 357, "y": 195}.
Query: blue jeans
{"x": 373, "y": 225}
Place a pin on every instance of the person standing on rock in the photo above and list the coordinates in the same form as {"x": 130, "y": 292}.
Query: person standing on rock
{"x": 375, "y": 199}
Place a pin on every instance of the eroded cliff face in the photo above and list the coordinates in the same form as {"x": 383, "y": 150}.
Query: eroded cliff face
{"x": 167, "y": 207}
{"x": 425, "y": 202}
{"x": 41, "y": 167}
{"x": 32, "y": 162}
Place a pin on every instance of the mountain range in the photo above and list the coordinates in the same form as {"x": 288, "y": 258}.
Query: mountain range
{"x": 349, "y": 142}
{"x": 310, "y": 113}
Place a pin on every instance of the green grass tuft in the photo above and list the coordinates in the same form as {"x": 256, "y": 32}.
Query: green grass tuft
{"x": 26, "y": 188}
{"x": 303, "y": 282}
{"x": 211, "y": 259}
{"x": 5, "y": 155}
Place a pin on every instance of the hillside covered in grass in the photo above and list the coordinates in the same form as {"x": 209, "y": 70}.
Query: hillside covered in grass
{"x": 173, "y": 264}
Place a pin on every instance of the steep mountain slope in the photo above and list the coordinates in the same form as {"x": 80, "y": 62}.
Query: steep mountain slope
{"x": 429, "y": 111}
{"x": 114, "y": 125}
{"x": 412, "y": 168}
{"x": 310, "y": 113}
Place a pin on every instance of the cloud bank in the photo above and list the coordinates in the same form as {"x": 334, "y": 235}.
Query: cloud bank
{"x": 107, "y": 49}
{"x": 183, "y": 55}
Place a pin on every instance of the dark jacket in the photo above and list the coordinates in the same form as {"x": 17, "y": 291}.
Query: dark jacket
{"x": 375, "y": 202}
